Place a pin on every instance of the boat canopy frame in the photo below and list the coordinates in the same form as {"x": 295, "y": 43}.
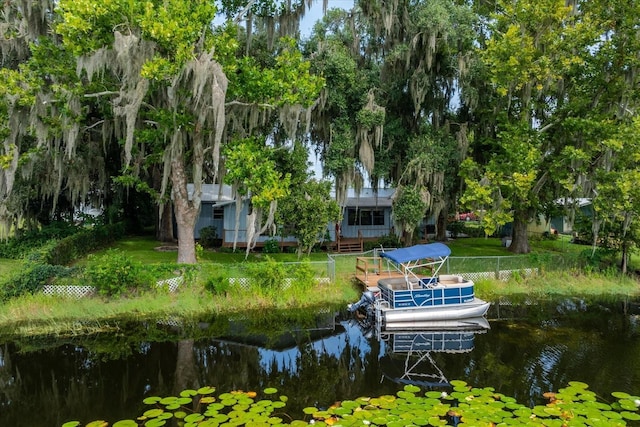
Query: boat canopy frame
{"x": 407, "y": 260}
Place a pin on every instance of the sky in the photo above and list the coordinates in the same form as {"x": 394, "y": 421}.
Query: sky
{"x": 315, "y": 13}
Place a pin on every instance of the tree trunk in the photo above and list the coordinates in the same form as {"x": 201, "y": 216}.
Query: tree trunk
{"x": 164, "y": 214}
{"x": 164, "y": 224}
{"x": 519, "y": 237}
{"x": 441, "y": 226}
{"x": 186, "y": 375}
{"x": 407, "y": 238}
{"x": 186, "y": 213}
{"x": 623, "y": 263}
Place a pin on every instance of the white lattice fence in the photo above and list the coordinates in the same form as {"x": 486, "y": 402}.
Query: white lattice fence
{"x": 69, "y": 291}
{"x": 77, "y": 292}
{"x": 170, "y": 284}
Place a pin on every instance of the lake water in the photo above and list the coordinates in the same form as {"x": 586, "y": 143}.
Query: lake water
{"x": 530, "y": 348}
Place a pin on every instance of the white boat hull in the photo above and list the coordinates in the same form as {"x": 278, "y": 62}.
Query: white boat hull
{"x": 405, "y": 316}
{"x": 467, "y": 324}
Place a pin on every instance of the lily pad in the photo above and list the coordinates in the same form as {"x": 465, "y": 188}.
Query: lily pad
{"x": 193, "y": 418}
{"x": 206, "y": 390}
{"x": 152, "y": 413}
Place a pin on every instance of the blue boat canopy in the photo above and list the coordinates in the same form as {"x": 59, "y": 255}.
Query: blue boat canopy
{"x": 417, "y": 252}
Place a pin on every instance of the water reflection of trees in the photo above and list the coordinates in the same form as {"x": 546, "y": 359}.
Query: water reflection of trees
{"x": 528, "y": 351}
{"x": 315, "y": 373}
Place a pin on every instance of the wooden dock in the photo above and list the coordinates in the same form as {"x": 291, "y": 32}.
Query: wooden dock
{"x": 369, "y": 271}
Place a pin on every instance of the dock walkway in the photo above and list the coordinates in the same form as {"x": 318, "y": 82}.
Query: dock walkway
{"x": 369, "y": 271}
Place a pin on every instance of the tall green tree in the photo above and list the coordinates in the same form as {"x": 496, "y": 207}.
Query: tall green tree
{"x": 165, "y": 57}
{"x": 411, "y": 58}
{"x": 309, "y": 207}
{"x": 530, "y": 49}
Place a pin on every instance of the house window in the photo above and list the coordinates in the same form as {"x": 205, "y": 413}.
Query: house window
{"x": 218, "y": 213}
{"x": 365, "y": 217}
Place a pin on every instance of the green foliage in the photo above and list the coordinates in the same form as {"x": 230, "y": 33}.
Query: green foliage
{"x": 597, "y": 259}
{"x": 86, "y": 241}
{"x": 456, "y": 228}
{"x": 32, "y": 278}
{"x": 388, "y": 241}
{"x": 209, "y": 236}
{"x": 287, "y": 81}
{"x": 218, "y": 283}
{"x": 409, "y": 208}
{"x": 115, "y": 273}
{"x": 250, "y": 167}
{"x": 307, "y": 211}
{"x": 271, "y": 277}
{"x": 573, "y": 405}
{"x": 271, "y": 246}
{"x": 25, "y": 241}
{"x": 268, "y": 276}
{"x": 302, "y": 275}
{"x": 174, "y": 26}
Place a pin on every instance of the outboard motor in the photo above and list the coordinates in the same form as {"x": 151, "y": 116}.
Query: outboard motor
{"x": 367, "y": 299}
{"x": 364, "y": 312}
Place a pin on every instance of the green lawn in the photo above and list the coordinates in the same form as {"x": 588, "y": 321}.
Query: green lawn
{"x": 467, "y": 255}
{"x": 35, "y": 313}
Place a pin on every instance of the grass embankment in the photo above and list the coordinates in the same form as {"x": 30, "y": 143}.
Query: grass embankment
{"x": 39, "y": 314}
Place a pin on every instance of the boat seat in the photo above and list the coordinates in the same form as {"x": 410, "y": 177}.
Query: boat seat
{"x": 450, "y": 279}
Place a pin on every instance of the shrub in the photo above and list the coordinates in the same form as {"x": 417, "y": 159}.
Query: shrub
{"x": 218, "y": 284}
{"x": 271, "y": 246}
{"x": 473, "y": 230}
{"x": 209, "y": 237}
{"x": 115, "y": 273}
{"x": 388, "y": 241}
{"x": 25, "y": 241}
{"x": 84, "y": 242}
{"x": 267, "y": 276}
{"x": 598, "y": 260}
{"x": 456, "y": 227}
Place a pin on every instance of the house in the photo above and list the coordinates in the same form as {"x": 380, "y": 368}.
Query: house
{"x": 218, "y": 209}
{"x": 564, "y": 223}
{"x": 367, "y": 216}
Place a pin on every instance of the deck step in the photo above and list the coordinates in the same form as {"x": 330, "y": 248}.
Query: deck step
{"x": 350, "y": 247}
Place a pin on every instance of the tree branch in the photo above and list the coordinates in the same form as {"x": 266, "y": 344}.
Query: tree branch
{"x": 97, "y": 94}
{"x": 249, "y": 104}
{"x": 244, "y": 11}
{"x": 99, "y": 122}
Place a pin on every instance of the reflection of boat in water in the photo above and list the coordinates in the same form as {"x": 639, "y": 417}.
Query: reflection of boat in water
{"x": 407, "y": 301}
{"x": 407, "y": 355}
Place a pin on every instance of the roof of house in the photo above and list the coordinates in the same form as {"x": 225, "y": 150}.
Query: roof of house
{"x": 367, "y": 197}
{"x": 214, "y": 193}
{"x": 580, "y": 202}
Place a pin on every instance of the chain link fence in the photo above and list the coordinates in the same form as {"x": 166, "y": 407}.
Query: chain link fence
{"x": 476, "y": 267}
